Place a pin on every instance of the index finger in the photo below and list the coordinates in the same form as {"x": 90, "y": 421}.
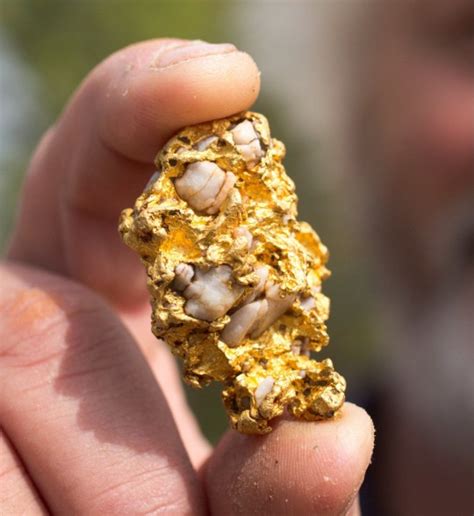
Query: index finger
{"x": 98, "y": 157}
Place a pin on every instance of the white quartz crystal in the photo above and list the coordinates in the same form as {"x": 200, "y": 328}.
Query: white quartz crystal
{"x": 263, "y": 389}
{"x": 247, "y": 141}
{"x": 211, "y": 293}
{"x": 205, "y": 186}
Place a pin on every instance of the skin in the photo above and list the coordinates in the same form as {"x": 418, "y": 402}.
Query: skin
{"x": 92, "y": 414}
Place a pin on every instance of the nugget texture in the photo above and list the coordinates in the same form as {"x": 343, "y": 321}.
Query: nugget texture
{"x": 234, "y": 278}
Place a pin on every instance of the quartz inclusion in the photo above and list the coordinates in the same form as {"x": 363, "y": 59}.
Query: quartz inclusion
{"x": 236, "y": 288}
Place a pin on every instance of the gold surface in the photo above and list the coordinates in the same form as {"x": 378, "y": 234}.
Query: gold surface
{"x": 165, "y": 232}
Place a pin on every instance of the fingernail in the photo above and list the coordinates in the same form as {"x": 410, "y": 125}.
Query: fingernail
{"x": 187, "y": 52}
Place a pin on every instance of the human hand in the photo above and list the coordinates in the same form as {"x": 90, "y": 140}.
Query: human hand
{"x": 93, "y": 417}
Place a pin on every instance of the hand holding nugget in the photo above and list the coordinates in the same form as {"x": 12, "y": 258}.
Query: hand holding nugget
{"x": 117, "y": 421}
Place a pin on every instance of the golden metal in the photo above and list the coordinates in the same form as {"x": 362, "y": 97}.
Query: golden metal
{"x": 269, "y": 373}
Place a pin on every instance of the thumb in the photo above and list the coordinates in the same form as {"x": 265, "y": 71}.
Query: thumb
{"x": 299, "y": 468}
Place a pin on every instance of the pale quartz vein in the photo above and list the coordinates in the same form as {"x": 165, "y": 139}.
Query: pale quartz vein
{"x": 243, "y": 321}
{"x": 205, "y": 143}
{"x": 247, "y": 142}
{"x": 183, "y": 275}
{"x": 255, "y": 317}
{"x": 263, "y": 390}
{"x": 211, "y": 293}
{"x": 205, "y": 186}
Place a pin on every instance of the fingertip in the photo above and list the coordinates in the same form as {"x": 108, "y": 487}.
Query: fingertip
{"x": 355, "y": 428}
{"x": 300, "y": 467}
{"x": 144, "y": 103}
{"x": 198, "y": 90}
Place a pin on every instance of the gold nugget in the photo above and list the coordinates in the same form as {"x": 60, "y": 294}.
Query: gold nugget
{"x": 234, "y": 278}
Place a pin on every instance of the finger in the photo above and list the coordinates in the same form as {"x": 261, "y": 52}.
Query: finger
{"x": 99, "y": 156}
{"x": 299, "y": 468}
{"x": 354, "y": 509}
{"x": 165, "y": 370}
{"x": 81, "y": 404}
{"x": 17, "y": 493}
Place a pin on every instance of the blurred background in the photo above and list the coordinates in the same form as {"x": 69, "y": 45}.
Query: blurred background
{"x": 48, "y": 46}
{"x": 375, "y": 103}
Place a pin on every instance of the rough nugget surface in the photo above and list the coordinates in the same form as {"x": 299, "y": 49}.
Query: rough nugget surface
{"x": 234, "y": 277}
